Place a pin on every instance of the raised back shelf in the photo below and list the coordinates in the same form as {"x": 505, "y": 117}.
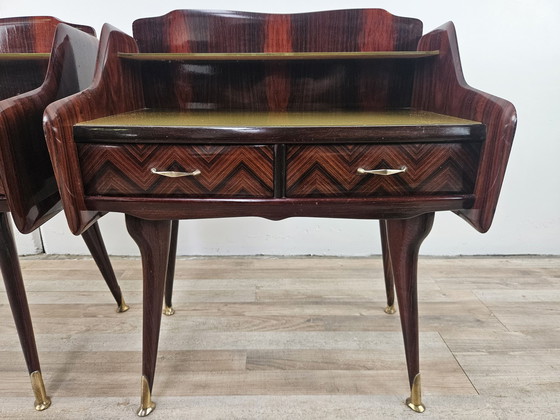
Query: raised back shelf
{"x": 279, "y": 56}
{"x": 24, "y": 56}
{"x": 21, "y": 72}
{"x": 304, "y": 62}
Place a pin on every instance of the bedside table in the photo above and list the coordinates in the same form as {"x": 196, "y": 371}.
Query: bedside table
{"x": 347, "y": 114}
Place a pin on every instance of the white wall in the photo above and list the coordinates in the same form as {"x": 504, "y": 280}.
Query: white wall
{"x": 508, "y": 48}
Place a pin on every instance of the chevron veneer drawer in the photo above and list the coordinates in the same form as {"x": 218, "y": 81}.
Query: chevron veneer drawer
{"x": 175, "y": 170}
{"x": 420, "y": 169}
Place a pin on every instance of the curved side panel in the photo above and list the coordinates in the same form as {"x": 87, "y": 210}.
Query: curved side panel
{"x": 25, "y": 167}
{"x": 439, "y": 86}
{"x": 115, "y": 89}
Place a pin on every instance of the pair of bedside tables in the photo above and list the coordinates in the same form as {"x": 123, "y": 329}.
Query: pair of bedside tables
{"x": 347, "y": 114}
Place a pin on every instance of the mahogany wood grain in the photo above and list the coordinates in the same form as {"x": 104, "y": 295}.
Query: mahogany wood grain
{"x": 278, "y": 209}
{"x": 235, "y": 31}
{"x": 115, "y": 88}
{"x": 32, "y": 33}
{"x": 439, "y": 86}
{"x": 23, "y": 76}
{"x": 153, "y": 239}
{"x": 279, "y": 170}
{"x": 404, "y": 239}
{"x": 430, "y": 168}
{"x": 31, "y": 192}
{"x": 170, "y": 276}
{"x": 94, "y": 241}
{"x": 277, "y": 86}
{"x": 452, "y": 167}
{"x": 13, "y": 282}
{"x": 25, "y": 166}
{"x": 225, "y": 171}
{"x": 25, "y": 35}
{"x": 387, "y": 266}
{"x": 25, "y": 170}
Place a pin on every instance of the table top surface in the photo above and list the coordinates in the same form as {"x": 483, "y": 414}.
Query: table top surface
{"x": 158, "y": 118}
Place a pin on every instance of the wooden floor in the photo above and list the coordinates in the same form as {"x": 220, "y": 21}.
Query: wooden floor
{"x": 292, "y": 338}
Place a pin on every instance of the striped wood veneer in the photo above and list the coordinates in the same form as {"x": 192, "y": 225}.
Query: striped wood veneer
{"x": 432, "y": 168}
{"x": 226, "y": 171}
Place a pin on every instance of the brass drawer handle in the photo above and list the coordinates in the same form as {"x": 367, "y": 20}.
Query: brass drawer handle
{"x": 382, "y": 172}
{"x": 175, "y": 174}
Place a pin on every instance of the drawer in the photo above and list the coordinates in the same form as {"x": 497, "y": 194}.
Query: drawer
{"x": 221, "y": 171}
{"x": 332, "y": 171}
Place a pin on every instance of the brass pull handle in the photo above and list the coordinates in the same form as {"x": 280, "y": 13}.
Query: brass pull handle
{"x": 175, "y": 174}
{"x": 382, "y": 172}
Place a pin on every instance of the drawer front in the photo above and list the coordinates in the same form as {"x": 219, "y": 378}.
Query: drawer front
{"x": 225, "y": 171}
{"x": 332, "y": 171}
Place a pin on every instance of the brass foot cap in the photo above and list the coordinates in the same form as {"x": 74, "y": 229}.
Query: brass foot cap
{"x": 390, "y": 310}
{"x": 43, "y": 405}
{"x": 123, "y": 307}
{"x": 146, "y": 403}
{"x": 42, "y": 401}
{"x": 419, "y": 408}
{"x": 146, "y": 411}
{"x": 168, "y": 310}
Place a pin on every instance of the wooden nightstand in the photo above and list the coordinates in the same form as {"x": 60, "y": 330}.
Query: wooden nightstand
{"x": 41, "y": 60}
{"x": 349, "y": 113}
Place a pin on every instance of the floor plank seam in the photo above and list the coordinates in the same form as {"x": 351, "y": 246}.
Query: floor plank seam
{"x": 458, "y": 363}
{"x": 492, "y": 312}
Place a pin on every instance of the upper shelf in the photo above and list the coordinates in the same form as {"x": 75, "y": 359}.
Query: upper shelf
{"x": 158, "y": 126}
{"x": 278, "y": 56}
{"x": 24, "y": 56}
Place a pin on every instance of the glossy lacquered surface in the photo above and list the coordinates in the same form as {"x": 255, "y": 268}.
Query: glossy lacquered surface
{"x": 115, "y": 89}
{"x": 277, "y": 86}
{"x": 428, "y": 169}
{"x": 156, "y": 126}
{"x": 125, "y": 86}
{"x": 25, "y": 167}
{"x": 439, "y": 86}
{"x": 224, "y": 171}
{"x": 324, "y": 123}
{"x": 25, "y": 171}
{"x": 37, "y": 75}
{"x": 15, "y": 290}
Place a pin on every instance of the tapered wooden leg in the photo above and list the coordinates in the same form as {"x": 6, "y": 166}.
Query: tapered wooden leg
{"x": 94, "y": 241}
{"x": 168, "y": 309}
{"x": 404, "y": 239}
{"x": 387, "y": 269}
{"x": 153, "y": 238}
{"x": 11, "y": 272}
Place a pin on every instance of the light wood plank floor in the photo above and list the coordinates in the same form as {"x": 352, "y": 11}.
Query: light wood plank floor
{"x": 292, "y": 338}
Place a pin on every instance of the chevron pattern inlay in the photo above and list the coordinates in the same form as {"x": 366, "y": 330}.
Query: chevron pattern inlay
{"x": 226, "y": 171}
{"x": 331, "y": 171}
